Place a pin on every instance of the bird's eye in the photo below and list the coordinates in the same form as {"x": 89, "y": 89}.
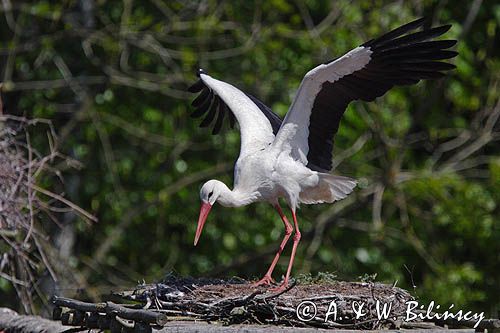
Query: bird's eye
{"x": 210, "y": 194}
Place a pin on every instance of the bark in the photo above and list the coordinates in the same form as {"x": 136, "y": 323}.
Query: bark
{"x": 12, "y": 322}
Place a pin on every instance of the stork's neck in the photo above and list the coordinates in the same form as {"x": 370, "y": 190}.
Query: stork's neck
{"x": 235, "y": 198}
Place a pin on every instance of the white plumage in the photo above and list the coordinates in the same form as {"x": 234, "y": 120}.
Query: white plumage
{"x": 291, "y": 159}
{"x": 256, "y": 131}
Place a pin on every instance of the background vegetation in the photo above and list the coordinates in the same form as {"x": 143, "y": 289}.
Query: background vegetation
{"x": 111, "y": 76}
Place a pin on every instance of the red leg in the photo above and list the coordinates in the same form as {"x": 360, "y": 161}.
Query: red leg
{"x": 296, "y": 239}
{"x": 267, "y": 279}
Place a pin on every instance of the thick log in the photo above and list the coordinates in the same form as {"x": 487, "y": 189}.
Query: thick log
{"x": 112, "y": 308}
{"x": 12, "y": 322}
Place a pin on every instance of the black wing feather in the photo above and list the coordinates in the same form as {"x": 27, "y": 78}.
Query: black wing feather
{"x": 197, "y": 86}
{"x": 201, "y": 97}
{"x": 400, "y": 57}
{"x": 220, "y": 117}
{"x": 232, "y": 120}
{"x": 204, "y": 106}
{"x": 396, "y": 32}
{"x": 211, "y": 113}
{"x": 411, "y": 39}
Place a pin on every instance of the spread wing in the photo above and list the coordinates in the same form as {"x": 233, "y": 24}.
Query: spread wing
{"x": 258, "y": 124}
{"x": 400, "y": 57}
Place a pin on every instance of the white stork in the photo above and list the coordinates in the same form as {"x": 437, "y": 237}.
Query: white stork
{"x": 290, "y": 159}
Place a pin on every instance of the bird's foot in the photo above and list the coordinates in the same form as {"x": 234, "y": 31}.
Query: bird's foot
{"x": 266, "y": 280}
{"x": 281, "y": 287}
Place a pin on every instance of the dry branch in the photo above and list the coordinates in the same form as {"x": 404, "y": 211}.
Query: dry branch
{"x": 23, "y": 210}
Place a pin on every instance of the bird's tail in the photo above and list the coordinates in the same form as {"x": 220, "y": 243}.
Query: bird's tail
{"x": 330, "y": 188}
{"x": 340, "y": 186}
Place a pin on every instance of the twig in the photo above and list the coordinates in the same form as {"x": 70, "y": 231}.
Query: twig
{"x": 65, "y": 201}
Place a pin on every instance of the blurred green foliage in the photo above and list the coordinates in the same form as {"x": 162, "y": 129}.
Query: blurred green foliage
{"x": 113, "y": 80}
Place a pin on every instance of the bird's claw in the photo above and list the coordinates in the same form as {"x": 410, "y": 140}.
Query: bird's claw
{"x": 266, "y": 280}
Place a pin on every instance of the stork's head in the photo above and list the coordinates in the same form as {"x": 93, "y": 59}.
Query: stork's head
{"x": 209, "y": 193}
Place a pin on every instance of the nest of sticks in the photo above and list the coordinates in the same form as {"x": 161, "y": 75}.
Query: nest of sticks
{"x": 235, "y": 301}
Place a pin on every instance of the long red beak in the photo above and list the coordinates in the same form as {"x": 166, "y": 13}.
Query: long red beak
{"x": 205, "y": 209}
